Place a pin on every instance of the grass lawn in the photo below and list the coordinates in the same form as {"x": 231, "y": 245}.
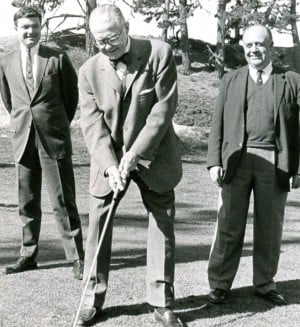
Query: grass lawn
{"x": 49, "y": 296}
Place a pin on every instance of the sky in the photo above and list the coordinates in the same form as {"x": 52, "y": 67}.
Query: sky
{"x": 203, "y": 25}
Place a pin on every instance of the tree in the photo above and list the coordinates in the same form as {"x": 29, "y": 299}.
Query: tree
{"x": 183, "y": 14}
{"x": 294, "y": 29}
{"x": 170, "y": 14}
{"x": 49, "y": 5}
{"x": 165, "y": 22}
{"x": 89, "y": 40}
{"x": 221, "y": 32}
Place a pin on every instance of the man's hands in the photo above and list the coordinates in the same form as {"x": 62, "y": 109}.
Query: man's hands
{"x": 118, "y": 176}
{"x": 216, "y": 174}
{"x": 128, "y": 163}
{"x": 114, "y": 178}
{"x": 295, "y": 181}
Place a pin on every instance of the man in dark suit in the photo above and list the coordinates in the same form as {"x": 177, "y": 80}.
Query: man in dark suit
{"x": 39, "y": 89}
{"x": 253, "y": 146}
{"x": 127, "y": 107}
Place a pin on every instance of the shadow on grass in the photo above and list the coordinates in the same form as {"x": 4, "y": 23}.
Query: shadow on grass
{"x": 196, "y": 307}
{"x": 241, "y": 300}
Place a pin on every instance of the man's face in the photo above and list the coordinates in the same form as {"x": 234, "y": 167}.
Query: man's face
{"x": 111, "y": 38}
{"x": 257, "y": 47}
{"x": 29, "y": 31}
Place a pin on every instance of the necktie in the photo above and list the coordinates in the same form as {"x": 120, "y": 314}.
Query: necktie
{"x": 125, "y": 59}
{"x": 121, "y": 65}
{"x": 259, "y": 80}
{"x": 29, "y": 74}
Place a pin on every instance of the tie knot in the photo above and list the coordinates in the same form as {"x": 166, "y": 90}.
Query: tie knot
{"x": 125, "y": 59}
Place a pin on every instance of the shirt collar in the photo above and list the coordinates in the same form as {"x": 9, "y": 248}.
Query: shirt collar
{"x": 33, "y": 51}
{"x": 266, "y": 71}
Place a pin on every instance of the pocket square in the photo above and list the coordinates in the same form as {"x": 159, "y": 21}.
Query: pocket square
{"x": 146, "y": 91}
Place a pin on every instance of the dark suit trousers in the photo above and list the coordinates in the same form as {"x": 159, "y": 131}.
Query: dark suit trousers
{"x": 256, "y": 172}
{"x": 60, "y": 183}
{"x": 160, "y": 247}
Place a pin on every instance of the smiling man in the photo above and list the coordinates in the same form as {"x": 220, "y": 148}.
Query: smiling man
{"x": 253, "y": 147}
{"x": 39, "y": 89}
{"x": 128, "y": 96}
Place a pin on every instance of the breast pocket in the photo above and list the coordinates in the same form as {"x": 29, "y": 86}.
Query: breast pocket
{"x": 146, "y": 96}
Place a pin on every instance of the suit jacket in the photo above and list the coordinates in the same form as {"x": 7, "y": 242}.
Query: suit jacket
{"x": 52, "y": 106}
{"x": 140, "y": 121}
{"x": 227, "y": 135}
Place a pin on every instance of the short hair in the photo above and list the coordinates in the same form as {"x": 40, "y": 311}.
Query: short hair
{"x": 269, "y": 33}
{"x": 109, "y": 12}
{"x": 27, "y": 12}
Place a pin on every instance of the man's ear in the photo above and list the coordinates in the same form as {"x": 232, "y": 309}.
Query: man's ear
{"x": 127, "y": 27}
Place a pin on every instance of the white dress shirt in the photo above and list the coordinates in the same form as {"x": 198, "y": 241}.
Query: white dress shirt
{"x": 266, "y": 73}
{"x": 34, "y": 59}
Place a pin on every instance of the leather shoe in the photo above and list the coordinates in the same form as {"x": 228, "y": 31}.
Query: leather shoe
{"x": 78, "y": 269}
{"x": 167, "y": 317}
{"x": 273, "y": 297}
{"x": 22, "y": 264}
{"x": 87, "y": 315}
{"x": 218, "y": 296}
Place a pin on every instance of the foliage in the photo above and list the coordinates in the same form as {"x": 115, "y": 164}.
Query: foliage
{"x": 272, "y": 13}
{"x": 154, "y": 10}
{"x": 41, "y": 5}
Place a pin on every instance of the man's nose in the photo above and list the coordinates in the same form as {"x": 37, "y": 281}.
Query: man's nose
{"x": 254, "y": 47}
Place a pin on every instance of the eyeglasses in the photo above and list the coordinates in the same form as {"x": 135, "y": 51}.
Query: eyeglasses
{"x": 112, "y": 41}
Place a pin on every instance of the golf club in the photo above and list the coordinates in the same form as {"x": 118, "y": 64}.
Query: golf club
{"x": 107, "y": 220}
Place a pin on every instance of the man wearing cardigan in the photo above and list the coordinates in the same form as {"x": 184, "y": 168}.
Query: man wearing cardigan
{"x": 253, "y": 147}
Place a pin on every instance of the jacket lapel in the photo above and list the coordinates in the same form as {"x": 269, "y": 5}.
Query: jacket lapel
{"x": 111, "y": 76}
{"x": 16, "y": 67}
{"x": 41, "y": 66}
{"x": 136, "y": 54}
{"x": 279, "y": 83}
{"x": 241, "y": 81}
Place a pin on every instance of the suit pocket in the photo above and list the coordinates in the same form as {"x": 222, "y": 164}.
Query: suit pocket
{"x": 146, "y": 96}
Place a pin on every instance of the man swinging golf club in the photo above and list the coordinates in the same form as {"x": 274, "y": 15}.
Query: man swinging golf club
{"x": 128, "y": 96}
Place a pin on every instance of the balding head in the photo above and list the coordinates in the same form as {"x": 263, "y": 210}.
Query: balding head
{"x": 257, "y": 44}
{"x": 110, "y": 30}
{"x": 106, "y": 15}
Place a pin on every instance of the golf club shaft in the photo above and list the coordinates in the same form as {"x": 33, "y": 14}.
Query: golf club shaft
{"x": 107, "y": 220}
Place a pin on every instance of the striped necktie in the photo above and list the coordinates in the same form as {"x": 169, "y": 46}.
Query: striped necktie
{"x": 29, "y": 74}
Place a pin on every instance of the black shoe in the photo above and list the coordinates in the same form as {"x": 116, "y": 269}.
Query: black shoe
{"x": 78, "y": 269}
{"x": 167, "y": 317}
{"x": 218, "y": 296}
{"x": 87, "y": 315}
{"x": 22, "y": 264}
{"x": 273, "y": 297}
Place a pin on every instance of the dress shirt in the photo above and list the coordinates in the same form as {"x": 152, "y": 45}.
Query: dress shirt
{"x": 34, "y": 59}
{"x": 266, "y": 73}
{"x": 121, "y": 68}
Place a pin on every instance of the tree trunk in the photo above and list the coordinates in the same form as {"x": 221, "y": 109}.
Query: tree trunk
{"x": 220, "y": 49}
{"x": 89, "y": 40}
{"x": 295, "y": 34}
{"x": 184, "y": 44}
{"x": 164, "y": 33}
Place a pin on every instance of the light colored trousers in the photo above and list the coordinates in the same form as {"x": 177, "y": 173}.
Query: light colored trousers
{"x": 160, "y": 247}
{"x": 256, "y": 172}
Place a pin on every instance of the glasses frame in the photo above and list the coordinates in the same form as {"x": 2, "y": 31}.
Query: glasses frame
{"x": 111, "y": 41}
